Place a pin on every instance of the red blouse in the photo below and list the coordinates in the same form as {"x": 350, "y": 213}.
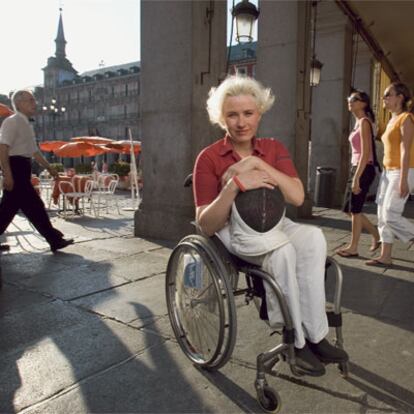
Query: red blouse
{"x": 214, "y": 160}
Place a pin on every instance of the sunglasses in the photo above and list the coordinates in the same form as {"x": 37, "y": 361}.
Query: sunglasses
{"x": 354, "y": 98}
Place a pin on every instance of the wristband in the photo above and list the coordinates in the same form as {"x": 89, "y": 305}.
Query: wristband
{"x": 239, "y": 184}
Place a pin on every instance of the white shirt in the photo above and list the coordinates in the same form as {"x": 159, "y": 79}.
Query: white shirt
{"x": 17, "y": 133}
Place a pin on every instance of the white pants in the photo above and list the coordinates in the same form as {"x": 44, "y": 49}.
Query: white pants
{"x": 391, "y": 223}
{"x": 299, "y": 269}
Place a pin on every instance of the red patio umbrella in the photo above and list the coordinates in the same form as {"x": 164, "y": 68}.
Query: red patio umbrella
{"x": 92, "y": 140}
{"x": 124, "y": 147}
{"x": 79, "y": 149}
{"x": 5, "y": 111}
{"x": 49, "y": 146}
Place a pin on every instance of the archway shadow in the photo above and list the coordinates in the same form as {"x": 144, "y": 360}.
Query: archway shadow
{"x": 380, "y": 388}
{"x": 399, "y": 399}
{"x": 107, "y": 372}
{"x": 378, "y": 296}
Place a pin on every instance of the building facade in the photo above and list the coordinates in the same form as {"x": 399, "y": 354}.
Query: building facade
{"x": 104, "y": 101}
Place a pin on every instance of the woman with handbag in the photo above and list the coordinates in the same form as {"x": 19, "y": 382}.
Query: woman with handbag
{"x": 397, "y": 179}
{"x": 362, "y": 172}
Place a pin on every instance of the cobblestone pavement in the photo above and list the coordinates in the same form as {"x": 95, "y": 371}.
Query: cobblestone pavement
{"x": 86, "y": 330}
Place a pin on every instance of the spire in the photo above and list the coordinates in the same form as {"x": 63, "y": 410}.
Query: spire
{"x": 60, "y": 39}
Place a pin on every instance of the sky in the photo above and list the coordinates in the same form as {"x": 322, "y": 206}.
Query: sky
{"x": 95, "y": 31}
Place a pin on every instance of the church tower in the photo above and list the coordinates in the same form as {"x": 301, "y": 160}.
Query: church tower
{"x": 58, "y": 68}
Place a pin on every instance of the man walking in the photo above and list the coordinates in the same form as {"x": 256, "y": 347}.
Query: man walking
{"x": 17, "y": 147}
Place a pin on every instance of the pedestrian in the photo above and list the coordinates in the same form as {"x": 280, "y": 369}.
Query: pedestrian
{"x": 241, "y": 162}
{"x": 17, "y": 147}
{"x": 397, "y": 179}
{"x": 362, "y": 173}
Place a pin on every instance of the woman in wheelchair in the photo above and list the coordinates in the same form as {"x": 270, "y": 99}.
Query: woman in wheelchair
{"x": 295, "y": 255}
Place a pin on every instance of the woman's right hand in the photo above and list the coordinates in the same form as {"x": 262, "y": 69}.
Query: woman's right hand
{"x": 356, "y": 189}
{"x": 256, "y": 179}
{"x": 247, "y": 164}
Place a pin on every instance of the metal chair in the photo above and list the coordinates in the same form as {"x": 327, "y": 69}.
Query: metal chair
{"x": 106, "y": 193}
{"x": 73, "y": 197}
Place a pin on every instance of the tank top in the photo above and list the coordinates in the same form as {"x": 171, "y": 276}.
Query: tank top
{"x": 355, "y": 142}
{"x": 391, "y": 139}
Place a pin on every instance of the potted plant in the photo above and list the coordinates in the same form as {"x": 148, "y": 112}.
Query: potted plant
{"x": 121, "y": 168}
{"x": 58, "y": 166}
{"x": 83, "y": 168}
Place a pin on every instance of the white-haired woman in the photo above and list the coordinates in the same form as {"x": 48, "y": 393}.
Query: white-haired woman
{"x": 240, "y": 162}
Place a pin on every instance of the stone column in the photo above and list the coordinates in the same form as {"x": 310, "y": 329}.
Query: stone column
{"x": 330, "y": 116}
{"x": 364, "y": 67}
{"x": 183, "y": 55}
{"x": 283, "y": 62}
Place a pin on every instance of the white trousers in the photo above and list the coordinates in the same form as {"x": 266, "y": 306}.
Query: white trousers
{"x": 391, "y": 223}
{"x": 299, "y": 269}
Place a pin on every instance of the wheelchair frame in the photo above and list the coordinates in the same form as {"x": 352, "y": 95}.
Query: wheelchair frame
{"x": 186, "y": 314}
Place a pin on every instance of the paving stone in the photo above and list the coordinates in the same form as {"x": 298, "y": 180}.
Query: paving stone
{"x": 137, "y": 266}
{"x": 159, "y": 380}
{"x": 135, "y": 302}
{"x": 14, "y": 299}
{"x": 50, "y": 347}
{"x": 75, "y": 281}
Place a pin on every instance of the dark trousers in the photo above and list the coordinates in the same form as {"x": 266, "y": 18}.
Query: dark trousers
{"x": 24, "y": 197}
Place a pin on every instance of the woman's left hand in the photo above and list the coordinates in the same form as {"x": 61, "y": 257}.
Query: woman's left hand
{"x": 356, "y": 189}
{"x": 404, "y": 190}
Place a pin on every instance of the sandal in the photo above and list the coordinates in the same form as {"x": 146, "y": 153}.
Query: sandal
{"x": 377, "y": 263}
{"x": 344, "y": 253}
{"x": 375, "y": 246}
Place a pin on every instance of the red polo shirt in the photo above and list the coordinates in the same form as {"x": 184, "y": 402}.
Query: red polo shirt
{"x": 214, "y": 160}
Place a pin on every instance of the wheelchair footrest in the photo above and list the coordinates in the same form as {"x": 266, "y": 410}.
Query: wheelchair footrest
{"x": 334, "y": 319}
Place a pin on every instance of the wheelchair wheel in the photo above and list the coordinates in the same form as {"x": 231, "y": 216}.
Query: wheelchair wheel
{"x": 200, "y": 302}
{"x": 269, "y": 400}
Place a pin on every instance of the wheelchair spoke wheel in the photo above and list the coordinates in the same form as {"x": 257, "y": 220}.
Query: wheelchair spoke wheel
{"x": 200, "y": 303}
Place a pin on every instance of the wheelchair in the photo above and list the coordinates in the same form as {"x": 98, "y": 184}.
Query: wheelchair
{"x": 201, "y": 285}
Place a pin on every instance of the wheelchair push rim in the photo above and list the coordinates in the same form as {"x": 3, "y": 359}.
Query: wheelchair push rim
{"x": 200, "y": 303}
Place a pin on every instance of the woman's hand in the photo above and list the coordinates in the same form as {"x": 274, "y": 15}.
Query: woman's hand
{"x": 404, "y": 189}
{"x": 356, "y": 189}
{"x": 246, "y": 164}
{"x": 251, "y": 180}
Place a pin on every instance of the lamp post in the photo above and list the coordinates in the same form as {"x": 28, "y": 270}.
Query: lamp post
{"x": 245, "y": 14}
{"x": 53, "y": 110}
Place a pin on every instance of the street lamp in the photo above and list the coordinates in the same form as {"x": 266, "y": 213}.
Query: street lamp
{"x": 316, "y": 65}
{"x": 315, "y": 71}
{"x": 246, "y": 14}
{"x": 53, "y": 110}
